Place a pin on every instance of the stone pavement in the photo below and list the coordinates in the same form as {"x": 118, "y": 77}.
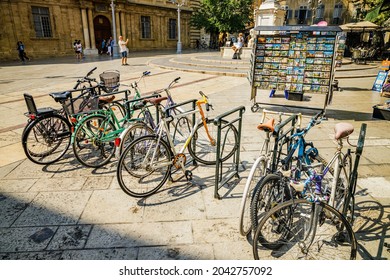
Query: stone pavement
{"x": 67, "y": 211}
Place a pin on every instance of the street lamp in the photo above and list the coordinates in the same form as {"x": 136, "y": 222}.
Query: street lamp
{"x": 115, "y": 50}
{"x": 178, "y": 24}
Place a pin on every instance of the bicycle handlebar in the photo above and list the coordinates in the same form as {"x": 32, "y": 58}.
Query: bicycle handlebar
{"x": 90, "y": 72}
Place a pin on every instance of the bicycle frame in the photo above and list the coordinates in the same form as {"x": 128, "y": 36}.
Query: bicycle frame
{"x": 163, "y": 129}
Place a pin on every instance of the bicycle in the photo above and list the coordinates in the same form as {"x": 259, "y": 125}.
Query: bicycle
{"x": 269, "y": 191}
{"x": 261, "y": 166}
{"x": 145, "y": 165}
{"x": 316, "y": 225}
{"x": 97, "y": 138}
{"x": 138, "y": 129}
{"x": 46, "y": 136}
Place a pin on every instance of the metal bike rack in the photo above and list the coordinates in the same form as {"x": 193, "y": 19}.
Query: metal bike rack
{"x": 219, "y": 181}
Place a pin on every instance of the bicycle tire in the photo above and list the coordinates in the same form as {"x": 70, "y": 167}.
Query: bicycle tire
{"x": 204, "y": 151}
{"x": 87, "y": 145}
{"x": 256, "y": 173}
{"x": 135, "y": 131}
{"x": 268, "y": 192}
{"x": 136, "y": 180}
{"x": 288, "y": 225}
{"x": 46, "y": 139}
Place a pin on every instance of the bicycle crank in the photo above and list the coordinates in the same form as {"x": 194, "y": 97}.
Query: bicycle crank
{"x": 179, "y": 161}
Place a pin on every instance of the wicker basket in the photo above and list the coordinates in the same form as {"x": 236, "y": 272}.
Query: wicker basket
{"x": 110, "y": 80}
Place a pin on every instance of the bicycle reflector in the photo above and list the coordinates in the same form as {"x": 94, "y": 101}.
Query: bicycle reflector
{"x": 31, "y": 117}
{"x": 117, "y": 142}
{"x": 73, "y": 120}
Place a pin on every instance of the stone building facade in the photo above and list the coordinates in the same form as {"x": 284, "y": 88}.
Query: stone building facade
{"x": 48, "y": 28}
{"x": 307, "y": 12}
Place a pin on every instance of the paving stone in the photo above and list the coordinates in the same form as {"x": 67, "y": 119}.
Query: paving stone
{"x": 140, "y": 234}
{"x": 54, "y": 208}
{"x": 28, "y": 169}
{"x": 43, "y": 255}
{"x": 377, "y": 187}
{"x": 101, "y": 254}
{"x": 180, "y": 201}
{"x": 112, "y": 206}
{"x": 213, "y": 231}
{"x": 98, "y": 183}
{"x": 179, "y": 252}
{"x": 70, "y": 237}
{"x": 5, "y": 170}
{"x": 12, "y": 206}
{"x": 19, "y": 239}
{"x": 58, "y": 184}
{"x": 236, "y": 250}
{"x": 16, "y": 185}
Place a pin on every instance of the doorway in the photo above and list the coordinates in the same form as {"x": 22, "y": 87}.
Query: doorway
{"x": 102, "y": 28}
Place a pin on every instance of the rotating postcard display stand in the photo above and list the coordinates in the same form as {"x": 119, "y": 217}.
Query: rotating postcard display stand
{"x": 293, "y": 63}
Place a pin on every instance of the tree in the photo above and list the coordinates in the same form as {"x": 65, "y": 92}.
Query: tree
{"x": 376, "y": 11}
{"x": 222, "y": 15}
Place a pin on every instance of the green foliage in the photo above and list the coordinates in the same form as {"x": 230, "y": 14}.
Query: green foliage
{"x": 222, "y": 15}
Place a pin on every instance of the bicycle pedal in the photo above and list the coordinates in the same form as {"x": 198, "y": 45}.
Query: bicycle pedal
{"x": 188, "y": 175}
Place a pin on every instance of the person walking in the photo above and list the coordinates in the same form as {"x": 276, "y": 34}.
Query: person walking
{"x": 103, "y": 46}
{"x": 21, "y": 51}
{"x": 123, "y": 49}
{"x": 79, "y": 50}
{"x": 108, "y": 45}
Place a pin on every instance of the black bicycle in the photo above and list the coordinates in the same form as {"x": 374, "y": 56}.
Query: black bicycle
{"x": 46, "y": 137}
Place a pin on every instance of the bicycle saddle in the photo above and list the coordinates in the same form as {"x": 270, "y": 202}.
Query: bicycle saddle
{"x": 156, "y": 101}
{"x": 106, "y": 99}
{"x": 342, "y": 130}
{"x": 60, "y": 96}
{"x": 268, "y": 126}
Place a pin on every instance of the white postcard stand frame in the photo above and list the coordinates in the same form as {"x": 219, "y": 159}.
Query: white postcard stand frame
{"x": 294, "y": 60}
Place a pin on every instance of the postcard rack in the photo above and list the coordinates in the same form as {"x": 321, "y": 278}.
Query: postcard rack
{"x": 294, "y": 60}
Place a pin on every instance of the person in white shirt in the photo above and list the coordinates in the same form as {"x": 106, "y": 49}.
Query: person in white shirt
{"x": 123, "y": 49}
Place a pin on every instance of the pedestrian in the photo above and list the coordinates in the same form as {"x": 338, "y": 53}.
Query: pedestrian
{"x": 79, "y": 50}
{"x": 74, "y": 47}
{"x": 123, "y": 49}
{"x": 103, "y": 46}
{"x": 112, "y": 46}
{"x": 109, "y": 49}
{"x": 21, "y": 51}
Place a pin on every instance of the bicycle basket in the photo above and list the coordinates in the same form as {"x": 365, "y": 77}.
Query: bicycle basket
{"x": 81, "y": 104}
{"x": 110, "y": 80}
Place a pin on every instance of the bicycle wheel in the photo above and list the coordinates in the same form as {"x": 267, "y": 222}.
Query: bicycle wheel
{"x": 268, "y": 193}
{"x": 203, "y": 151}
{"x": 89, "y": 145}
{"x": 299, "y": 229}
{"x": 135, "y": 131}
{"x": 258, "y": 170}
{"x": 46, "y": 139}
{"x": 144, "y": 166}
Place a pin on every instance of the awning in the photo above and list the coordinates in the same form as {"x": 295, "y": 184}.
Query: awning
{"x": 359, "y": 26}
